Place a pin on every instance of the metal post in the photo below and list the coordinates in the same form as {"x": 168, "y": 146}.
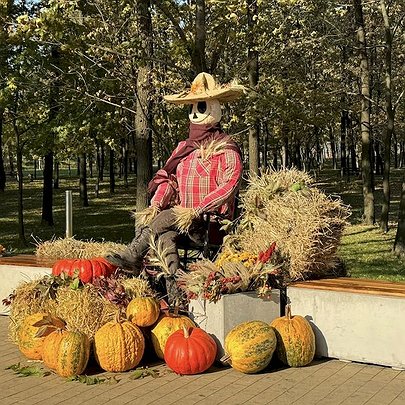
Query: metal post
{"x": 69, "y": 214}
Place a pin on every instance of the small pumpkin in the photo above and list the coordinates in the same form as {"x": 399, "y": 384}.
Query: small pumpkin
{"x": 249, "y": 346}
{"x": 86, "y": 269}
{"x": 118, "y": 346}
{"x": 73, "y": 354}
{"x": 50, "y": 348}
{"x": 190, "y": 351}
{"x": 32, "y": 333}
{"x": 143, "y": 311}
{"x": 164, "y": 327}
{"x": 295, "y": 339}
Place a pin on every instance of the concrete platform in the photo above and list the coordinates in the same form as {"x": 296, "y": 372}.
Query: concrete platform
{"x": 16, "y": 269}
{"x": 326, "y": 382}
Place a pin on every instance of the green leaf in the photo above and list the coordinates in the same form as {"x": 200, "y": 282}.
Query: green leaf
{"x": 136, "y": 375}
{"x": 74, "y": 285}
{"x": 26, "y": 371}
{"x": 93, "y": 380}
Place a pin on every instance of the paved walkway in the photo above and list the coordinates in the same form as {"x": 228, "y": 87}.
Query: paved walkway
{"x": 324, "y": 382}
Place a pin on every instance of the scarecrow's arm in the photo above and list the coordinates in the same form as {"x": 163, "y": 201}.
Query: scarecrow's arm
{"x": 227, "y": 188}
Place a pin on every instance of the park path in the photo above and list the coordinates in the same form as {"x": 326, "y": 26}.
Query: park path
{"x": 325, "y": 382}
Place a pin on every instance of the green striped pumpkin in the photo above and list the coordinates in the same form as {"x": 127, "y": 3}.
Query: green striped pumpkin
{"x": 249, "y": 346}
{"x": 295, "y": 339}
{"x": 73, "y": 354}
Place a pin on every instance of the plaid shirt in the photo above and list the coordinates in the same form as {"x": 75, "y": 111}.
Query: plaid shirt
{"x": 207, "y": 185}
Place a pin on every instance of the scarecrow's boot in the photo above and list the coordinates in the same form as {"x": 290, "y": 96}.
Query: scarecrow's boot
{"x": 131, "y": 259}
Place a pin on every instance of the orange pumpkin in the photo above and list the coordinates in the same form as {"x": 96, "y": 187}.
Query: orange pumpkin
{"x": 50, "y": 348}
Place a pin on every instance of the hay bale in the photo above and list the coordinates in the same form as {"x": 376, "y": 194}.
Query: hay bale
{"x": 83, "y": 309}
{"x": 27, "y": 300}
{"x": 306, "y": 225}
{"x": 70, "y": 248}
{"x": 137, "y": 287}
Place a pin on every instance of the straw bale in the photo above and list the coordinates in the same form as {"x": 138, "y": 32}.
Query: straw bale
{"x": 84, "y": 309}
{"x": 27, "y": 300}
{"x": 306, "y": 225}
{"x": 70, "y": 248}
{"x": 137, "y": 287}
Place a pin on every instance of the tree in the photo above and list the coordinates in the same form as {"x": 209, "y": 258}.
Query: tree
{"x": 368, "y": 193}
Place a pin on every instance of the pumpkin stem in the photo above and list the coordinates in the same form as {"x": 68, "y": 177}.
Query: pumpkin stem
{"x": 288, "y": 311}
{"x": 185, "y": 331}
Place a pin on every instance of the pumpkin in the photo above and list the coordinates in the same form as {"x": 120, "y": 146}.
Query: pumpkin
{"x": 118, "y": 346}
{"x": 249, "y": 346}
{"x": 295, "y": 339}
{"x": 143, "y": 311}
{"x": 86, "y": 269}
{"x": 50, "y": 348}
{"x": 32, "y": 333}
{"x": 73, "y": 354}
{"x": 164, "y": 327}
{"x": 190, "y": 351}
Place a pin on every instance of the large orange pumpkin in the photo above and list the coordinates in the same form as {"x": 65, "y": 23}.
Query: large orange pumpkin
{"x": 118, "y": 346}
{"x": 295, "y": 339}
{"x": 143, "y": 311}
{"x": 32, "y": 333}
{"x": 190, "y": 351}
{"x": 86, "y": 269}
{"x": 164, "y": 327}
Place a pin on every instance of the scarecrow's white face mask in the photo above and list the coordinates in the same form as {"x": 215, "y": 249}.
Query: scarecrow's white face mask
{"x": 205, "y": 112}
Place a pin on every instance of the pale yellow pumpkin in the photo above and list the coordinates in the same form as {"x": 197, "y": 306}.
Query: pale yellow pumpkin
{"x": 143, "y": 311}
{"x": 165, "y": 326}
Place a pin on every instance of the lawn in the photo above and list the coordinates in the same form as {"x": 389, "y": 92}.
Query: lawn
{"x": 365, "y": 250}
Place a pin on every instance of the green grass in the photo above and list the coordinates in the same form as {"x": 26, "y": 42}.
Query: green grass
{"x": 366, "y": 251}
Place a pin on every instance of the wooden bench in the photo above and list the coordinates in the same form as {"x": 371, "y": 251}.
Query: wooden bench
{"x": 354, "y": 319}
{"x": 19, "y": 268}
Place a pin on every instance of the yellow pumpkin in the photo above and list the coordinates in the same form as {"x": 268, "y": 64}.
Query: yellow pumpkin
{"x": 118, "y": 346}
{"x": 295, "y": 339}
{"x": 143, "y": 311}
{"x": 32, "y": 333}
{"x": 249, "y": 346}
{"x": 165, "y": 326}
{"x": 73, "y": 354}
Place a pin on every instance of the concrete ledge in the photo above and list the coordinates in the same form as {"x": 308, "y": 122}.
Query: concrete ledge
{"x": 356, "y": 320}
{"x": 232, "y": 309}
{"x": 14, "y": 270}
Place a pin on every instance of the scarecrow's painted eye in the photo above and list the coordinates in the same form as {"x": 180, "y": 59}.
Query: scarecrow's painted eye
{"x": 202, "y": 107}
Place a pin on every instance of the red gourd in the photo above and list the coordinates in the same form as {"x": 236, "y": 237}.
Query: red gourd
{"x": 86, "y": 269}
{"x": 190, "y": 351}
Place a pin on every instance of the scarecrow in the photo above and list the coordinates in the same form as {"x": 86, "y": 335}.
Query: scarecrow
{"x": 201, "y": 176}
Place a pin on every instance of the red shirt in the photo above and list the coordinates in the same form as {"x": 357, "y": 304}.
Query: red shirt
{"x": 208, "y": 184}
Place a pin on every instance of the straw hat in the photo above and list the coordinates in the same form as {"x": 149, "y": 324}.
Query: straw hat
{"x": 204, "y": 87}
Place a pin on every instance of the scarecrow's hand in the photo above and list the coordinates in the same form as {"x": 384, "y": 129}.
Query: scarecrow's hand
{"x": 146, "y": 216}
{"x": 184, "y": 217}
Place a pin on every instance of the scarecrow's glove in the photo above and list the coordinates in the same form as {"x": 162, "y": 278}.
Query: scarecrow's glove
{"x": 184, "y": 217}
{"x": 146, "y": 216}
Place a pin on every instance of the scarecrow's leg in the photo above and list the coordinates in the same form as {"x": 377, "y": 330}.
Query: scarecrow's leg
{"x": 171, "y": 257}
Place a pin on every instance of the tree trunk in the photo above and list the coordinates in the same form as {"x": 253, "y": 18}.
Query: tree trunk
{"x": 344, "y": 115}
{"x": 143, "y": 108}
{"x": 56, "y": 175}
{"x": 112, "y": 172}
{"x": 389, "y": 130}
{"x": 399, "y": 244}
{"x": 368, "y": 193}
{"x": 332, "y": 147}
{"x": 253, "y": 73}
{"x": 83, "y": 181}
{"x": 47, "y": 199}
{"x": 2, "y": 171}
{"x": 199, "y": 63}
